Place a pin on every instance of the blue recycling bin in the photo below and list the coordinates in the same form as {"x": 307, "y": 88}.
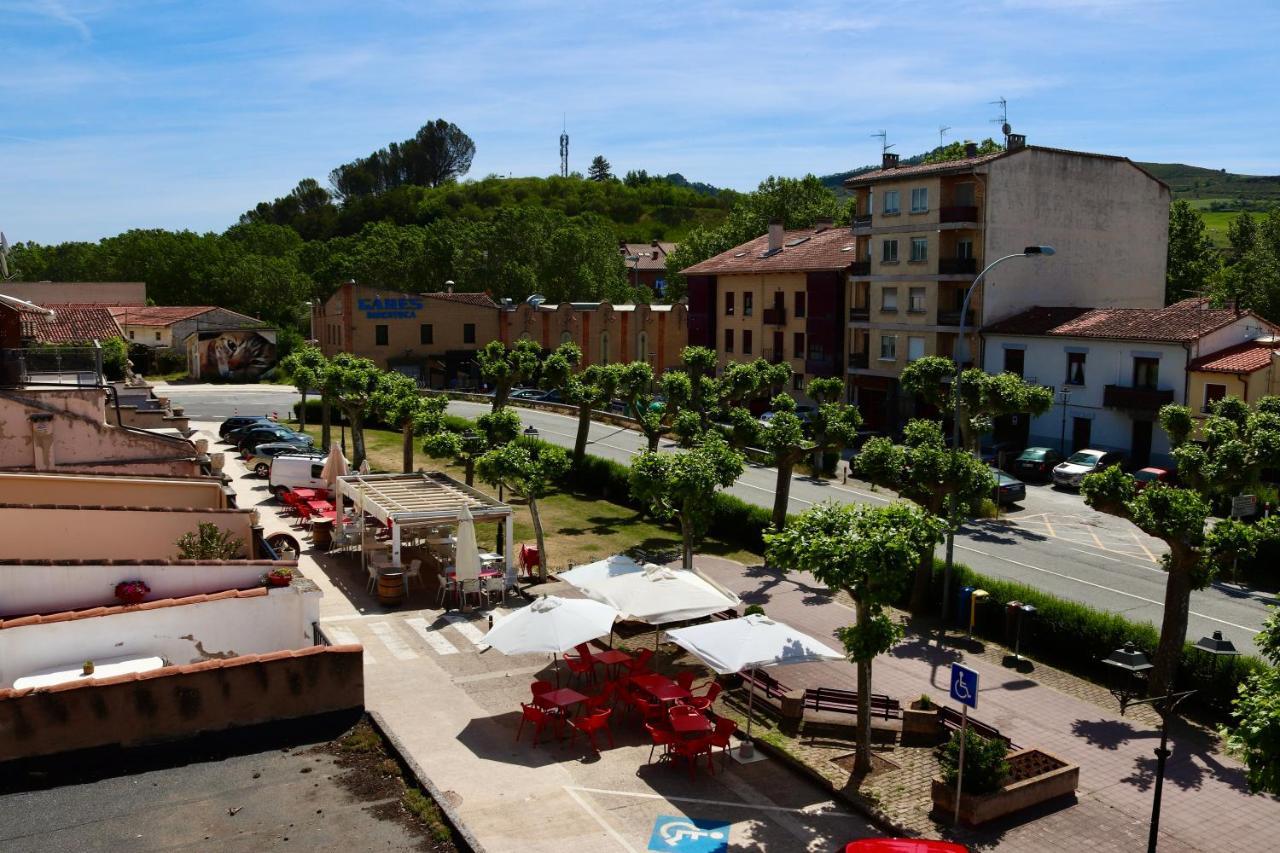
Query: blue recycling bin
{"x": 964, "y": 594}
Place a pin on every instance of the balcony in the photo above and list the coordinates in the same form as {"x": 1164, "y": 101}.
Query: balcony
{"x": 820, "y": 365}
{"x": 860, "y": 268}
{"x": 952, "y": 318}
{"x": 859, "y": 315}
{"x": 775, "y": 316}
{"x": 1136, "y": 399}
{"x": 863, "y": 221}
{"x": 959, "y": 213}
{"x": 958, "y": 266}
{"x": 859, "y": 360}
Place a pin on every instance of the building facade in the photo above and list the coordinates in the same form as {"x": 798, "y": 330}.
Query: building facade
{"x": 647, "y": 264}
{"x": 78, "y": 292}
{"x": 1250, "y": 370}
{"x": 780, "y": 297}
{"x": 1111, "y": 370}
{"x": 169, "y": 326}
{"x": 606, "y": 333}
{"x": 924, "y": 233}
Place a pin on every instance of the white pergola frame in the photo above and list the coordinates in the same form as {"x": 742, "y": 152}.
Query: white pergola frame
{"x": 420, "y": 499}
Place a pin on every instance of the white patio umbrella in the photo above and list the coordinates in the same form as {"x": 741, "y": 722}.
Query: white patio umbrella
{"x": 335, "y": 466}
{"x": 466, "y": 555}
{"x": 752, "y": 642}
{"x": 552, "y": 625}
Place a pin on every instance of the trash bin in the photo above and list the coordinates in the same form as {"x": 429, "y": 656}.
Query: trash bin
{"x": 1012, "y": 613}
{"x": 962, "y": 604}
{"x": 976, "y": 599}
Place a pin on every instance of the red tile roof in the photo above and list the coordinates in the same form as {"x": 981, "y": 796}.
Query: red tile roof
{"x": 71, "y": 324}
{"x": 966, "y": 164}
{"x": 480, "y": 300}
{"x": 158, "y": 315}
{"x": 827, "y": 249}
{"x": 1248, "y": 357}
{"x": 1188, "y": 320}
{"x": 72, "y": 615}
{"x": 646, "y": 252}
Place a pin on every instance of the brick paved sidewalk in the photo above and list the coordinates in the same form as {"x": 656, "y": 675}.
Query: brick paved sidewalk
{"x": 1206, "y": 804}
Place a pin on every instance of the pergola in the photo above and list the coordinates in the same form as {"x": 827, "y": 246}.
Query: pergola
{"x": 422, "y": 499}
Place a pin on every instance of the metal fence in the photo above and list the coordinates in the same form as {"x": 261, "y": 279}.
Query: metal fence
{"x": 51, "y": 365}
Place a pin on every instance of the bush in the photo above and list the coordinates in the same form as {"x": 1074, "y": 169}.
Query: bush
{"x": 737, "y": 522}
{"x": 985, "y": 766}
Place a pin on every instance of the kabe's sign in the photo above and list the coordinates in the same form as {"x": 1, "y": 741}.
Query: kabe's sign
{"x": 390, "y": 309}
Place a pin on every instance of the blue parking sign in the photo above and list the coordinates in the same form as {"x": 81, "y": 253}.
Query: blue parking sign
{"x": 964, "y": 685}
{"x": 689, "y": 835}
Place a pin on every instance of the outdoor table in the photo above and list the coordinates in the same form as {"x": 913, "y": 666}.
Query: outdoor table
{"x": 321, "y": 507}
{"x": 103, "y": 668}
{"x": 661, "y": 688}
{"x": 611, "y": 659}
{"x": 563, "y": 698}
{"x": 690, "y": 724}
{"x": 306, "y": 494}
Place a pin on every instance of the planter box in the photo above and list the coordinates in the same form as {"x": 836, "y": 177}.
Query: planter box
{"x": 921, "y": 726}
{"x": 1036, "y": 777}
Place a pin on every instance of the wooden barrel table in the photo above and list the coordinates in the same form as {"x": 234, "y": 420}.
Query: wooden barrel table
{"x": 391, "y": 588}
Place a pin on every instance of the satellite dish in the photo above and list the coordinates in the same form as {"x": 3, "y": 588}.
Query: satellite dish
{"x": 1006, "y": 129}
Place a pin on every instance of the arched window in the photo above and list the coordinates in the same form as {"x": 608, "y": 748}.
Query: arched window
{"x": 566, "y": 337}
{"x": 604, "y": 347}
{"x": 642, "y": 346}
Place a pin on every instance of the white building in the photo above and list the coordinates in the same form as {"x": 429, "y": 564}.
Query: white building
{"x": 1118, "y": 366}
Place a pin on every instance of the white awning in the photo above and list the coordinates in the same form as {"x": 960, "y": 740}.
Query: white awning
{"x": 417, "y": 499}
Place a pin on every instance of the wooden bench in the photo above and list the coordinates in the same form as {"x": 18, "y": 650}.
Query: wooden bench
{"x": 846, "y": 702}
{"x": 951, "y": 720}
{"x": 764, "y": 684}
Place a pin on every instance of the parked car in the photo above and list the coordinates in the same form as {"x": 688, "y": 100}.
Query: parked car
{"x": 1144, "y": 477}
{"x": 903, "y": 845}
{"x": 1009, "y": 490}
{"x": 259, "y": 458}
{"x": 238, "y": 421}
{"x": 995, "y": 452}
{"x": 804, "y": 413}
{"x": 528, "y": 394}
{"x": 1036, "y": 463}
{"x": 1083, "y": 462}
{"x": 251, "y": 438}
{"x": 296, "y": 471}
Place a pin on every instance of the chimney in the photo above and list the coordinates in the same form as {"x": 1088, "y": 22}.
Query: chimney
{"x": 822, "y": 223}
{"x": 1016, "y": 141}
{"x": 653, "y": 255}
{"x": 775, "y": 235}
{"x": 653, "y": 243}
{"x": 971, "y": 149}
{"x": 890, "y": 161}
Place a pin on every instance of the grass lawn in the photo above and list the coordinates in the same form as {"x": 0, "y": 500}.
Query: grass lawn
{"x": 578, "y": 528}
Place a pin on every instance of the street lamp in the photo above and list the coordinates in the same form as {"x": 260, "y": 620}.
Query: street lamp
{"x": 1029, "y": 251}
{"x": 635, "y": 270}
{"x": 1134, "y": 664}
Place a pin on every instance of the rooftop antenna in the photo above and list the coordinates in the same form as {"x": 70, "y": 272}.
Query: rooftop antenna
{"x": 942, "y": 131}
{"x": 564, "y": 147}
{"x": 1003, "y": 119}
{"x": 883, "y": 136}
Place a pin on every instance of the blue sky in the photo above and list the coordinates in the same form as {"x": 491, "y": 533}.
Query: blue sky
{"x": 184, "y": 114}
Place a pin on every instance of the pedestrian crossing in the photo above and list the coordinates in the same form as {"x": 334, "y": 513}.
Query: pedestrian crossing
{"x": 406, "y": 638}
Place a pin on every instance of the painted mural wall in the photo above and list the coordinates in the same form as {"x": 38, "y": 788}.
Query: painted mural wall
{"x": 235, "y": 354}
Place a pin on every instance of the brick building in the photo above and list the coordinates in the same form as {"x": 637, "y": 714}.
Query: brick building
{"x": 606, "y": 334}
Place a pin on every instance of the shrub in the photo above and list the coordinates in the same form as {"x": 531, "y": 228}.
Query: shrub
{"x": 208, "y": 542}
{"x": 985, "y": 767}
{"x": 753, "y": 610}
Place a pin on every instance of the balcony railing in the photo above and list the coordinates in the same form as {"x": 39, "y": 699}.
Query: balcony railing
{"x": 859, "y": 360}
{"x": 952, "y": 318}
{"x": 957, "y": 266}
{"x": 775, "y": 316}
{"x": 860, "y": 268}
{"x": 820, "y": 365}
{"x": 859, "y": 315}
{"x": 863, "y": 221}
{"x": 1136, "y": 399}
{"x": 958, "y": 213}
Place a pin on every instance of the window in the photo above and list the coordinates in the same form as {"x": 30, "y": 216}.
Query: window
{"x": 130, "y": 334}
{"x": 888, "y": 347}
{"x": 425, "y": 335}
{"x": 919, "y": 249}
{"x": 1075, "y": 368}
{"x": 919, "y": 199}
{"x": 746, "y": 342}
{"x": 915, "y": 300}
{"x": 380, "y": 335}
{"x": 157, "y": 336}
{"x": 889, "y": 251}
{"x": 1014, "y": 359}
{"x": 797, "y": 382}
{"x": 801, "y": 303}
{"x": 746, "y": 303}
{"x": 728, "y": 303}
{"x": 728, "y": 340}
{"x": 891, "y": 202}
{"x": 1146, "y": 373}
{"x": 317, "y": 472}
{"x": 797, "y": 345}
{"x": 889, "y": 299}
{"x": 1212, "y": 394}
{"x": 915, "y": 347}
{"x": 468, "y": 333}
{"x": 964, "y": 249}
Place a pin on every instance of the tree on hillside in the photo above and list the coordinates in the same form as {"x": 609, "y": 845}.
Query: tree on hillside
{"x": 600, "y": 170}
{"x": 505, "y": 367}
{"x": 351, "y": 383}
{"x": 397, "y": 400}
{"x": 1254, "y": 737}
{"x": 493, "y": 430}
{"x": 439, "y": 153}
{"x": 869, "y": 553}
{"x": 1238, "y": 445}
{"x": 306, "y": 366}
{"x": 308, "y": 209}
{"x": 1192, "y": 258}
{"x": 682, "y": 486}
{"x": 530, "y": 470}
{"x": 956, "y": 151}
{"x": 1252, "y": 279}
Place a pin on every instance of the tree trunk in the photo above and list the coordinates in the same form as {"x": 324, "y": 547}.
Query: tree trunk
{"x": 470, "y": 464}
{"x": 537, "y": 534}
{"x": 686, "y": 536}
{"x": 501, "y": 392}
{"x": 782, "y": 492}
{"x": 654, "y": 438}
{"x": 406, "y": 430}
{"x": 302, "y": 412}
{"x": 584, "y": 427}
{"x": 357, "y": 437}
{"x": 922, "y": 585}
{"x": 1173, "y": 629}
{"x": 862, "y": 744}
{"x": 326, "y": 417}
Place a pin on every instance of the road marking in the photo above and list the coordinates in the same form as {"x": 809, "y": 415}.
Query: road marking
{"x": 808, "y": 810}
{"x": 467, "y": 629}
{"x": 1121, "y": 562}
{"x": 431, "y": 637}
{"x": 398, "y": 647}
{"x": 346, "y": 637}
{"x": 1100, "y": 586}
{"x": 613, "y": 833}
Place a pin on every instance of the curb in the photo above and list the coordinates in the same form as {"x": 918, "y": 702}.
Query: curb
{"x": 455, "y": 820}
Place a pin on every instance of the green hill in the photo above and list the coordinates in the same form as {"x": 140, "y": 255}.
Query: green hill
{"x": 1232, "y": 191}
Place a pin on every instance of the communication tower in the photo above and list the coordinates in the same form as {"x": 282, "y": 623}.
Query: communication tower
{"x": 564, "y": 151}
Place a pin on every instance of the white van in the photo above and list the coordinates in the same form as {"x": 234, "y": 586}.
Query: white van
{"x": 297, "y": 471}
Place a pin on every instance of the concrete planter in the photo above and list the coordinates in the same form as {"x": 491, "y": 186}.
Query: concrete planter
{"x": 1036, "y": 777}
{"x": 921, "y": 726}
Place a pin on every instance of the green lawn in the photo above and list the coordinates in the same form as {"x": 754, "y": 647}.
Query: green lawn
{"x": 578, "y": 528}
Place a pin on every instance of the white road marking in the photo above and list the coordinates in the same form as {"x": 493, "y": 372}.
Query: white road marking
{"x": 604, "y": 824}
{"x": 395, "y": 644}
{"x": 1158, "y": 571}
{"x": 431, "y": 637}
{"x": 344, "y": 637}
{"x": 467, "y": 629}
{"x": 810, "y": 810}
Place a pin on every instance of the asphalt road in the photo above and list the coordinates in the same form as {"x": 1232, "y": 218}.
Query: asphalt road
{"x": 1052, "y": 542}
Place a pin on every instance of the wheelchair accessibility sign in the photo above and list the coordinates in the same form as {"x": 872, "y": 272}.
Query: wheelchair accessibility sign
{"x": 689, "y": 835}
{"x": 964, "y": 685}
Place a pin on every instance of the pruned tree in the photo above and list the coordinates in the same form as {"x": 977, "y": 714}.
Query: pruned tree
{"x": 506, "y": 367}
{"x": 681, "y": 486}
{"x": 397, "y": 400}
{"x": 494, "y": 429}
{"x": 983, "y": 397}
{"x": 654, "y": 402}
{"x": 1254, "y": 737}
{"x": 306, "y": 366}
{"x": 868, "y": 553}
{"x": 588, "y": 389}
{"x": 530, "y": 470}
{"x": 350, "y": 382}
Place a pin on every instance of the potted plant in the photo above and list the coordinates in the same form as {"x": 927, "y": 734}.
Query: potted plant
{"x": 132, "y": 592}
{"x": 87, "y": 668}
{"x": 920, "y": 721}
{"x": 279, "y": 576}
{"x": 998, "y": 782}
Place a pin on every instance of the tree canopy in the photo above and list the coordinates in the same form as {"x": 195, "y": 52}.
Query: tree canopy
{"x": 1192, "y": 259}
{"x": 439, "y": 153}
{"x": 1254, "y": 736}
{"x": 600, "y": 170}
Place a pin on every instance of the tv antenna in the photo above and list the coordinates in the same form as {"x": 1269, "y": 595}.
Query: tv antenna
{"x": 564, "y": 147}
{"x": 942, "y": 130}
{"x": 1003, "y": 119}
{"x": 883, "y": 136}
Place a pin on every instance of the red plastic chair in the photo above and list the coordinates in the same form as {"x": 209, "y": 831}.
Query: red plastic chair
{"x": 582, "y": 665}
{"x": 691, "y": 749}
{"x": 706, "y": 700}
{"x": 606, "y": 696}
{"x": 640, "y": 663}
{"x": 661, "y": 738}
{"x": 590, "y": 724}
{"x": 720, "y": 737}
{"x": 530, "y": 559}
{"x": 685, "y": 679}
{"x": 538, "y": 688}
{"x": 540, "y": 719}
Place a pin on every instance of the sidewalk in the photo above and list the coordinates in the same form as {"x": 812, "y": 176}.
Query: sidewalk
{"x": 1206, "y": 804}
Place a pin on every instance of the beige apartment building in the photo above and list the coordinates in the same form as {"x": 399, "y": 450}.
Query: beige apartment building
{"x": 606, "y": 333}
{"x": 924, "y": 232}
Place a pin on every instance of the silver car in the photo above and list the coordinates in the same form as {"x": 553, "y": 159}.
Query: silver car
{"x": 1078, "y": 465}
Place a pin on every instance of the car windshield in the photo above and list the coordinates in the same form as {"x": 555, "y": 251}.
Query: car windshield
{"x": 1034, "y": 454}
{"x": 1085, "y": 457}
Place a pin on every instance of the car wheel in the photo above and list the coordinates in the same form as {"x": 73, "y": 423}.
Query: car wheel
{"x": 262, "y": 469}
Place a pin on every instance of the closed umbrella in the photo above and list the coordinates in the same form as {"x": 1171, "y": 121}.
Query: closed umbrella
{"x": 751, "y": 642}
{"x": 335, "y": 466}
{"x": 551, "y": 625}
{"x": 466, "y": 557}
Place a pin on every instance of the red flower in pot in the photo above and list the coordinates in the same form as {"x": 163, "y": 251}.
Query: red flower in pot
{"x": 132, "y": 592}
{"x": 278, "y": 577}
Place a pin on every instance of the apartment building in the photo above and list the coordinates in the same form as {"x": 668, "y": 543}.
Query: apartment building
{"x": 924, "y": 232}
{"x": 780, "y": 297}
{"x": 606, "y": 333}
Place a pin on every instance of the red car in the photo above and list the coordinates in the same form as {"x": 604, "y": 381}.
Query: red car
{"x": 903, "y": 845}
{"x": 1144, "y": 477}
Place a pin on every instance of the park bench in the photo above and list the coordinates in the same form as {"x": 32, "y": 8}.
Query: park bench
{"x": 846, "y": 702}
{"x": 951, "y": 720}
{"x": 764, "y": 684}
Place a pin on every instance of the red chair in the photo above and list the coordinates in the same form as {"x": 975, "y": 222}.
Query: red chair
{"x": 650, "y": 712}
{"x": 640, "y": 663}
{"x": 685, "y": 679}
{"x": 706, "y": 700}
{"x": 591, "y": 723}
{"x": 725, "y": 729}
{"x": 683, "y": 711}
{"x": 540, "y": 719}
{"x": 540, "y": 687}
{"x": 606, "y": 696}
{"x": 691, "y": 749}
{"x": 584, "y": 664}
{"x": 661, "y": 738}
{"x": 530, "y": 559}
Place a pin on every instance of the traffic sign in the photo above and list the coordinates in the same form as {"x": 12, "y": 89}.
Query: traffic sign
{"x": 964, "y": 685}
